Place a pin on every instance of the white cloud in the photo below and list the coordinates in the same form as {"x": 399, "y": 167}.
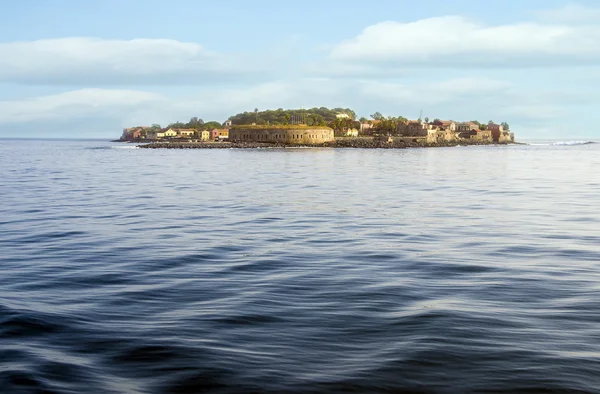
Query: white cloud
{"x": 121, "y": 108}
{"x": 75, "y": 104}
{"x": 571, "y": 13}
{"x": 454, "y": 41}
{"x": 95, "y": 61}
{"x": 115, "y": 108}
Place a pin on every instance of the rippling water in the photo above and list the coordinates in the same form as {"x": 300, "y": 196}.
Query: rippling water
{"x": 302, "y": 270}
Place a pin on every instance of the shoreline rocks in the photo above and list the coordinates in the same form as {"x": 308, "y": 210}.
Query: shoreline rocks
{"x": 358, "y": 143}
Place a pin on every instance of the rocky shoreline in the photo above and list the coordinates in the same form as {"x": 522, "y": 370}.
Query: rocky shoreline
{"x": 364, "y": 143}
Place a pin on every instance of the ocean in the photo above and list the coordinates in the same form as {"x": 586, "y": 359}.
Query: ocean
{"x": 442, "y": 270}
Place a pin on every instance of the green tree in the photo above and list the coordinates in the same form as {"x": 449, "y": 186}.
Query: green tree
{"x": 177, "y": 125}
{"x": 377, "y": 116}
{"x": 211, "y": 125}
{"x": 505, "y": 126}
{"x": 194, "y": 123}
{"x": 363, "y": 120}
{"x": 314, "y": 116}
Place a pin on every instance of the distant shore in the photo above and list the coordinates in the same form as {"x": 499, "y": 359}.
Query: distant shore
{"x": 365, "y": 143}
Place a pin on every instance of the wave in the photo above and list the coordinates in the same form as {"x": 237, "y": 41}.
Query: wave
{"x": 112, "y": 147}
{"x": 571, "y": 143}
{"x": 563, "y": 143}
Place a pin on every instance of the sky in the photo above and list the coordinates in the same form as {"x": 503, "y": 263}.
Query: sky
{"x": 87, "y": 69}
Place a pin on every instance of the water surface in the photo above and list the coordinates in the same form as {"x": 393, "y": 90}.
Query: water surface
{"x": 467, "y": 269}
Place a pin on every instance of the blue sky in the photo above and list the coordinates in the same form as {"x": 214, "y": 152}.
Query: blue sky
{"x": 71, "y": 68}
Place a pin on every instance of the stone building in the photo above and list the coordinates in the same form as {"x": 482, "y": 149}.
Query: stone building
{"x": 412, "y": 128}
{"x": 445, "y": 124}
{"x": 283, "y": 135}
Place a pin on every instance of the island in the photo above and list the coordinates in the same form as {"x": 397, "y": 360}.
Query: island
{"x": 317, "y": 127}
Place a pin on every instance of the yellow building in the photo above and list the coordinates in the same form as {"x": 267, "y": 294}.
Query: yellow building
{"x": 170, "y": 133}
{"x": 204, "y": 135}
{"x": 154, "y": 135}
{"x": 185, "y": 132}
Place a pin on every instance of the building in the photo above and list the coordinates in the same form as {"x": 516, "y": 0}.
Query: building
{"x": 134, "y": 133}
{"x": 466, "y": 127}
{"x": 412, "y": 128}
{"x": 283, "y": 135}
{"x": 352, "y": 132}
{"x": 346, "y": 132}
{"x": 155, "y": 135}
{"x": 169, "y": 133}
{"x": 493, "y": 127}
{"x": 219, "y": 133}
{"x": 504, "y": 137}
{"x": 227, "y": 124}
{"x": 445, "y": 124}
{"x": 481, "y": 135}
{"x": 204, "y": 135}
{"x": 496, "y": 130}
{"x": 185, "y": 133}
{"x": 367, "y": 128}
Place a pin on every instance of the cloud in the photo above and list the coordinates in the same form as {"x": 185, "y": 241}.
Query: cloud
{"x": 75, "y": 104}
{"x": 104, "y": 112}
{"x": 455, "y": 41}
{"x": 122, "y": 108}
{"x": 94, "y": 61}
{"x": 571, "y": 13}
{"x": 108, "y": 110}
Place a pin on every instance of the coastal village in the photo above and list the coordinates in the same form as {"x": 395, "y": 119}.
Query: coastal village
{"x": 322, "y": 125}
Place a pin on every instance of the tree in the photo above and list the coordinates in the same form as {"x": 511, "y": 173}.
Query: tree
{"x": 211, "y": 125}
{"x": 426, "y": 119}
{"x": 194, "y": 123}
{"x": 177, "y": 125}
{"x": 320, "y": 116}
{"x": 505, "y": 126}
{"x": 363, "y": 120}
{"x": 490, "y": 122}
{"x": 377, "y": 116}
{"x": 389, "y": 125}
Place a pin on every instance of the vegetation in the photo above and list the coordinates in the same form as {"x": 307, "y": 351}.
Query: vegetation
{"x": 294, "y": 118}
{"x": 389, "y": 125}
{"x": 377, "y": 116}
{"x": 196, "y": 124}
{"x": 273, "y": 127}
{"x": 310, "y": 117}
